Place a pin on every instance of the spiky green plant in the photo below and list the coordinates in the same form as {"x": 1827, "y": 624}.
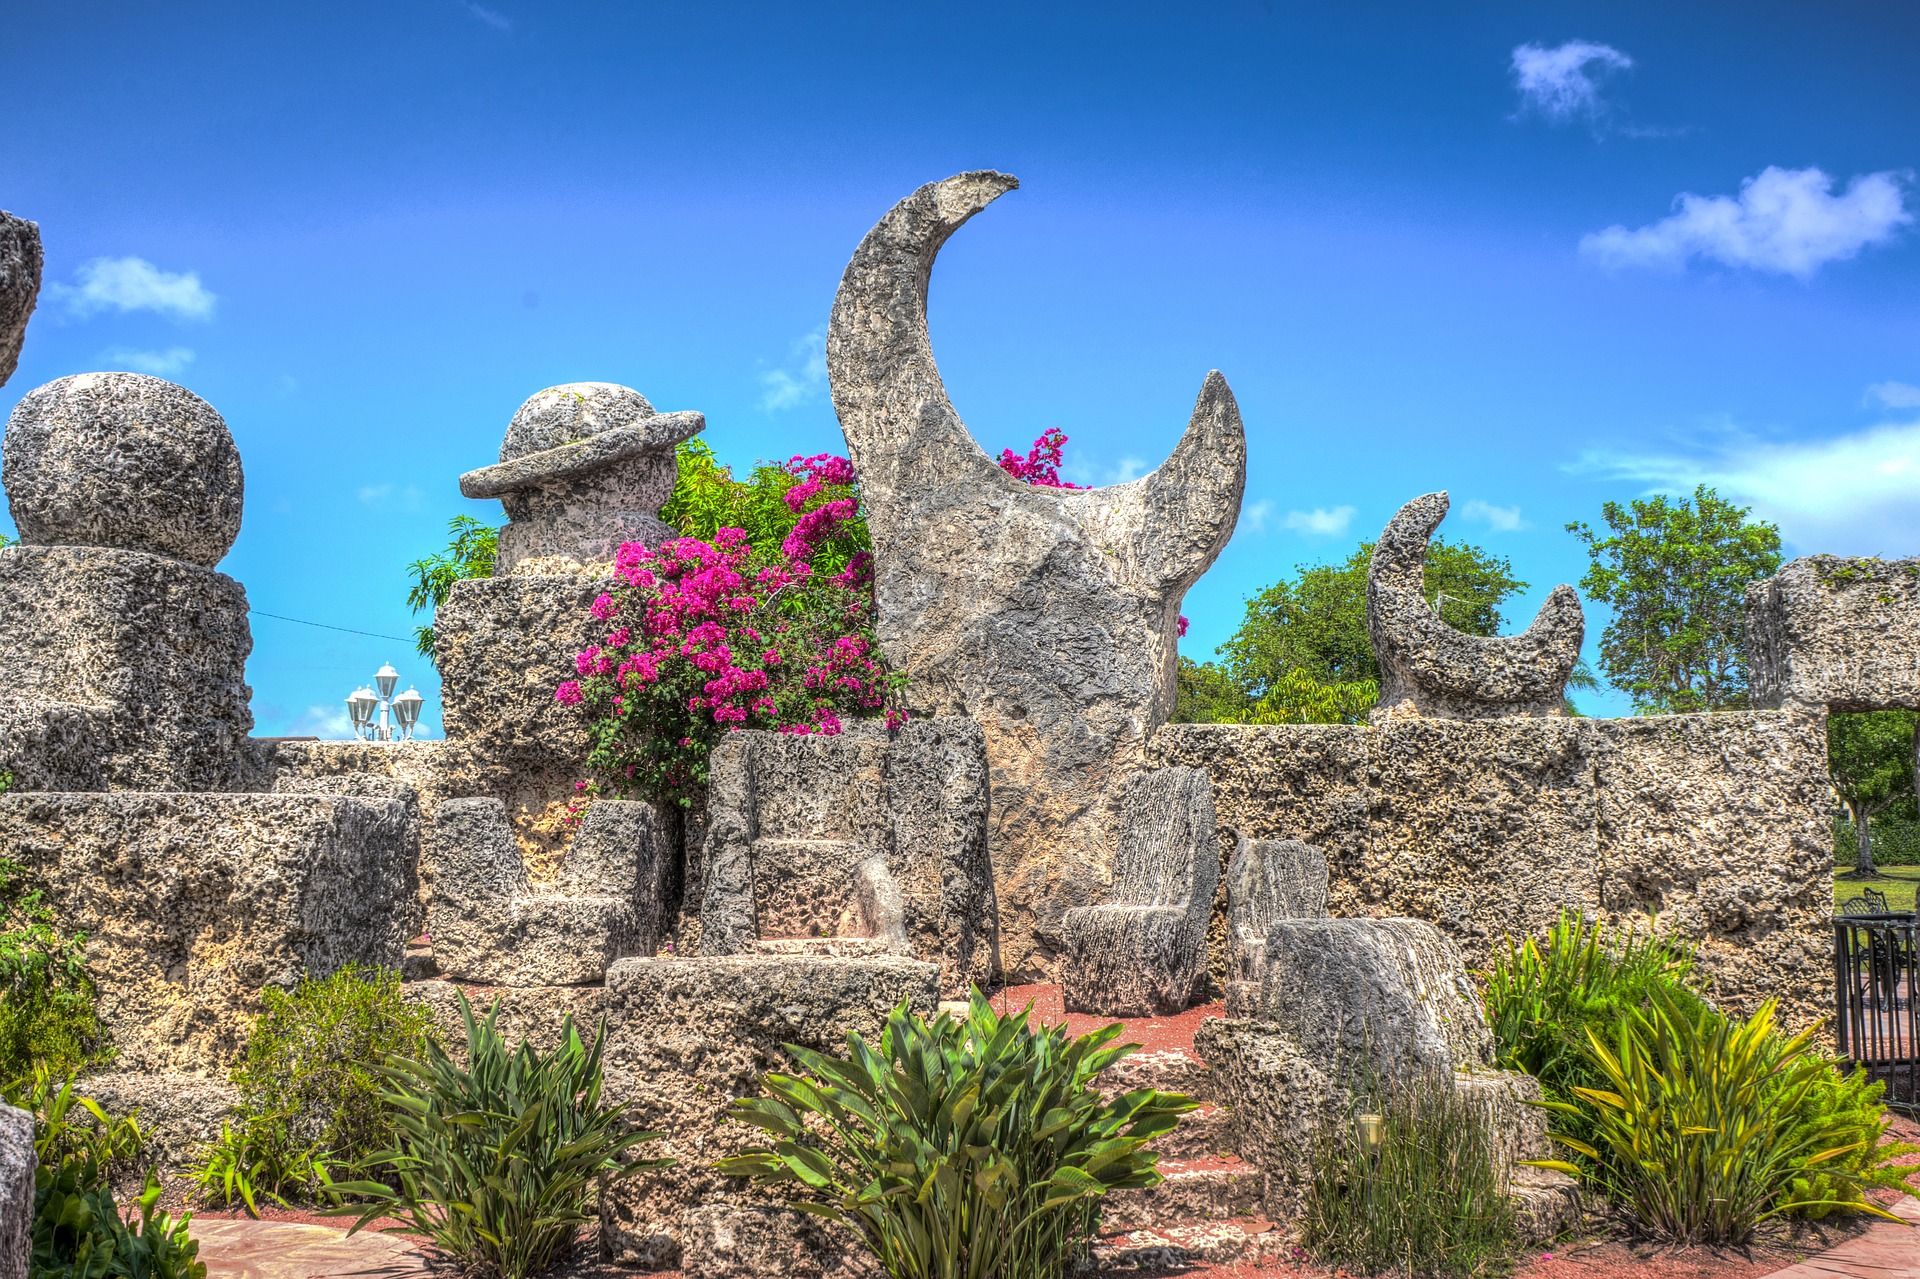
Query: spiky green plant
{"x": 1426, "y": 1196}
{"x": 975, "y": 1148}
{"x": 1706, "y": 1126}
{"x": 498, "y": 1160}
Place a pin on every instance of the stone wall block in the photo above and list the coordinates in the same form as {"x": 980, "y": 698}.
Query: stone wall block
{"x": 686, "y": 1037}
{"x": 55, "y": 745}
{"x": 154, "y": 649}
{"x": 21, "y": 261}
{"x": 503, "y": 645}
{"x": 1836, "y": 634}
{"x": 193, "y": 903}
{"x": 938, "y": 799}
{"x": 17, "y": 1168}
{"x": 626, "y": 848}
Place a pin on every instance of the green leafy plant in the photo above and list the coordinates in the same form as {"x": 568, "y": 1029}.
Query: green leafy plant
{"x": 498, "y": 1160}
{"x": 470, "y": 554}
{"x": 1409, "y": 1179}
{"x": 960, "y": 1149}
{"x": 1543, "y": 996}
{"x": 310, "y": 1097}
{"x": 78, "y": 1231}
{"x": 48, "y": 1016}
{"x": 1708, "y": 1125}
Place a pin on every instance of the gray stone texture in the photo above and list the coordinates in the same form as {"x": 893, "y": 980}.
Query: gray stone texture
{"x": 686, "y": 1037}
{"x": 1267, "y": 881}
{"x": 150, "y": 650}
{"x": 488, "y": 927}
{"x": 1385, "y": 996}
{"x": 178, "y": 1114}
{"x": 54, "y": 745}
{"x": 17, "y": 1169}
{"x": 1715, "y": 826}
{"x": 584, "y": 467}
{"x": 20, "y": 263}
{"x": 192, "y": 904}
{"x": 852, "y": 836}
{"x": 1429, "y": 669}
{"x": 503, "y": 645}
{"x": 1144, "y": 952}
{"x": 126, "y": 461}
{"x": 1828, "y": 633}
{"x": 1048, "y": 616}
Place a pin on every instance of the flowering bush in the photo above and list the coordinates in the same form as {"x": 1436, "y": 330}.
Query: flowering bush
{"x": 707, "y": 637}
{"x": 1041, "y": 465}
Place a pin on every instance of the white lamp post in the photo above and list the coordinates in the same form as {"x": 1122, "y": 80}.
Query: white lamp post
{"x": 382, "y": 717}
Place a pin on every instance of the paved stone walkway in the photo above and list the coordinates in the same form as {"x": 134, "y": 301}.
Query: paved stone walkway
{"x": 1886, "y": 1251}
{"x": 285, "y": 1250}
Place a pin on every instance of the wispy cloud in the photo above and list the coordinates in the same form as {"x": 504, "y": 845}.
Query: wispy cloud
{"x": 165, "y": 363}
{"x": 403, "y": 497}
{"x": 802, "y": 381}
{"x": 492, "y": 17}
{"x": 134, "y": 284}
{"x": 1078, "y": 469}
{"x": 1562, "y": 83}
{"x": 1852, "y": 494}
{"x": 1254, "y": 516}
{"x": 1894, "y": 395}
{"x": 1319, "y": 522}
{"x": 1501, "y": 519}
{"x": 1784, "y": 221}
{"x": 326, "y": 721}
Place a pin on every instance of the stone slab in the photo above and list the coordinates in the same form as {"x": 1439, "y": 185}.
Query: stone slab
{"x": 1836, "y": 634}
{"x": 193, "y": 903}
{"x": 17, "y": 1170}
{"x": 503, "y": 645}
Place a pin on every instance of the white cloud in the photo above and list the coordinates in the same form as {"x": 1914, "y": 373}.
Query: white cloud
{"x": 1894, "y": 395}
{"x": 1501, "y": 519}
{"x": 134, "y": 284}
{"x": 789, "y": 388}
{"x": 1563, "y": 83}
{"x": 1784, "y": 220}
{"x": 493, "y": 18}
{"x": 387, "y": 495}
{"x": 159, "y": 363}
{"x": 1254, "y": 517}
{"x": 1855, "y": 494}
{"x": 325, "y": 721}
{"x": 1319, "y": 522}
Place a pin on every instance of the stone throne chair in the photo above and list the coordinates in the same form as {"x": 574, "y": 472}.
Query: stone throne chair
{"x": 1144, "y": 953}
{"x": 855, "y": 844}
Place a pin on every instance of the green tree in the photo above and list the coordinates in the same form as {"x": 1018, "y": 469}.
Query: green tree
{"x": 1303, "y": 655}
{"x": 1205, "y": 694}
{"x": 1870, "y": 762}
{"x": 469, "y": 554}
{"x": 1675, "y": 572}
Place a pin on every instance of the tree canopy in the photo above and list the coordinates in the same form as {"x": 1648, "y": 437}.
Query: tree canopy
{"x": 1870, "y": 762}
{"x": 1675, "y": 572}
{"x": 1302, "y": 653}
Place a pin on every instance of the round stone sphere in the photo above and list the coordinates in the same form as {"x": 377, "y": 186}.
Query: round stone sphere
{"x": 562, "y": 414}
{"x": 126, "y": 461}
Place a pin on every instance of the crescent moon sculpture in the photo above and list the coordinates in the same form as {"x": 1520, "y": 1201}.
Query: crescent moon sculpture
{"x": 1429, "y": 669}
{"x": 1048, "y": 615}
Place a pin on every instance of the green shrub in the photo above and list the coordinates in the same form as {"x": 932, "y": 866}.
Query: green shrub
{"x": 47, "y": 1012}
{"x": 961, "y": 1149}
{"x": 497, "y": 1162}
{"x": 78, "y": 1231}
{"x": 1426, "y": 1195}
{"x": 310, "y": 1098}
{"x": 1706, "y": 1125}
{"x": 1543, "y": 998}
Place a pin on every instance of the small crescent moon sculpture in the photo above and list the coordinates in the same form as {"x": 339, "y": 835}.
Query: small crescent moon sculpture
{"x": 1429, "y": 669}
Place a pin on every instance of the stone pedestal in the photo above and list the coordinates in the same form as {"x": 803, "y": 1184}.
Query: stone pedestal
{"x": 152, "y": 651}
{"x": 503, "y": 645}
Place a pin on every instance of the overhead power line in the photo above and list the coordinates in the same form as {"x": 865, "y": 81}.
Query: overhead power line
{"x": 323, "y": 626}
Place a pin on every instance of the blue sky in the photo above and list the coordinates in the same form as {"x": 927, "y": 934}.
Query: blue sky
{"x": 1540, "y": 256}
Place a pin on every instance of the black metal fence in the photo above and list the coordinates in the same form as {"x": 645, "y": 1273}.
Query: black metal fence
{"x": 1874, "y": 963}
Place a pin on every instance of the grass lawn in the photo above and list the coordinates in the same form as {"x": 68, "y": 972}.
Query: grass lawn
{"x": 1897, "y": 882}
